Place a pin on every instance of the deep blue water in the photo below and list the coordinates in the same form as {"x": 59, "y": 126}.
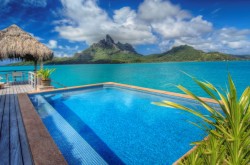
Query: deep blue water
{"x": 153, "y": 75}
{"x": 122, "y": 126}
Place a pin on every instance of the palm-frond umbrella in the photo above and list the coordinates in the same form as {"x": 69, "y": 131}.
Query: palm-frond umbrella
{"x": 15, "y": 43}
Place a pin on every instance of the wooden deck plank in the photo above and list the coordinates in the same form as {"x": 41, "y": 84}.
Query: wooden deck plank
{"x": 2, "y": 101}
{"x": 27, "y": 158}
{"x": 14, "y": 147}
{"x": 5, "y": 132}
{"x": 28, "y": 87}
{"x": 21, "y": 89}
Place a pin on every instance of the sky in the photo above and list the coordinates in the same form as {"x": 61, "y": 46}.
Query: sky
{"x": 151, "y": 26}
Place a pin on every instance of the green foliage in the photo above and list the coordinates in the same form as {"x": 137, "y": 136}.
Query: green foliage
{"x": 98, "y": 54}
{"x": 188, "y": 53}
{"x": 229, "y": 141}
{"x": 107, "y": 55}
{"x": 45, "y": 73}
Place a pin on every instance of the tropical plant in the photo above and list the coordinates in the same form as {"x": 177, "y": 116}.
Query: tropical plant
{"x": 228, "y": 129}
{"x": 45, "y": 73}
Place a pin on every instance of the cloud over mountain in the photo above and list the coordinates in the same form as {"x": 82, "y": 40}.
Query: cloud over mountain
{"x": 86, "y": 21}
{"x": 154, "y": 22}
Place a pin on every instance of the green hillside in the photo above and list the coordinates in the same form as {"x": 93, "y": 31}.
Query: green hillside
{"x": 106, "y": 55}
{"x": 188, "y": 53}
{"x": 107, "y": 51}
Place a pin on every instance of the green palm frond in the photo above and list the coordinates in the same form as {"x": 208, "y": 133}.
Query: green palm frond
{"x": 228, "y": 128}
{"x": 45, "y": 73}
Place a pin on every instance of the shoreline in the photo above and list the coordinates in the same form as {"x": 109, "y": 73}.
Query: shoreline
{"x": 10, "y": 65}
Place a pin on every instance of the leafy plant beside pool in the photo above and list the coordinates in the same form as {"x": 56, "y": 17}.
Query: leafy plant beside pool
{"x": 45, "y": 76}
{"x": 228, "y": 141}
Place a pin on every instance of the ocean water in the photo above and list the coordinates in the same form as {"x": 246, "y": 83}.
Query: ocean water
{"x": 162, "y": 76}
{"x": 113, "y": 125}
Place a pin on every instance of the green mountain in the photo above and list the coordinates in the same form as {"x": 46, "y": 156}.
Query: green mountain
{"x": 188, "y": 53}
{"x": 107, "y": 51}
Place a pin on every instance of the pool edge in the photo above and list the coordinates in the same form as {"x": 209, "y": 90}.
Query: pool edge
{"x": 42, "y": 146}
{"x": 128, "y": 86}
{"x": 159, "y": 91}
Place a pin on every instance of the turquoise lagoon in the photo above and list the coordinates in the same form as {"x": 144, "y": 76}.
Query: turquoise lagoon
{"x": 163, "y": 76}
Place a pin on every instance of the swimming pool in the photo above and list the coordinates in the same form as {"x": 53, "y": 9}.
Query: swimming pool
{"x": 111, "y": 124}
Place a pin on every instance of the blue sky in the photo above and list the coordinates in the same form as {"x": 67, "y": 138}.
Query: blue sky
{"x": 152, "y": 26}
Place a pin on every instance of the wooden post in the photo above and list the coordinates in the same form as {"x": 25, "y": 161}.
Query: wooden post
{"x": 41, "y": 63}
{"x": 35, "y": 69}
{"x": 7, "y": 79}
{"x": 35, "y": 65}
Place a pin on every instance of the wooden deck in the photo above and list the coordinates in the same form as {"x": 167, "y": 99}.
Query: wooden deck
{"x": 14, "y": 148}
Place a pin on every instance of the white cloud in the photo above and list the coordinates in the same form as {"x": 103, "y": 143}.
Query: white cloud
{"x": 52, "y": 44}
{"x": 158, "y": 10}
{"x": 154, "y": 22}
{"x": 124, "y": 16}
{"x": 238, "y": 44}
{"x": 68, "y": 48}
{"x": 63, "y": 50}
{"x": 174, "y": 29}
{"x": 227, "y": 40}
{"x": 90, "y": 23}
{"x": 170, "y": 21}
{"x": 62, "y": 54}
{"x": 86, "y": 21}
{"x": 127, "y": 27}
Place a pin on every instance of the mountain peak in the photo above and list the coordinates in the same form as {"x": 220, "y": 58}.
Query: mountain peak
{"x": 108, "y": 43}
{"x": 108, "y": 51}
{"x": 183, "y": 48}
{"x": 109, "y": 39}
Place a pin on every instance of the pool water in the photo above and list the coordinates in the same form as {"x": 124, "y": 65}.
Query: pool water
{"x": 113, "y": 125}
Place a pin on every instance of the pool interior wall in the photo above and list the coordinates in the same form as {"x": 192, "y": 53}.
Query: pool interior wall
{"x": 139, "y": 140}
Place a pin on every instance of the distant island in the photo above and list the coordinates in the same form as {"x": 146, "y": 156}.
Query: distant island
{"x": 106, "y": 51}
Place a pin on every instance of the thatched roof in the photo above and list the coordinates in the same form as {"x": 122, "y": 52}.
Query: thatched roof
{"x": 1, "y": 34}
{"x": 16, "y": 43}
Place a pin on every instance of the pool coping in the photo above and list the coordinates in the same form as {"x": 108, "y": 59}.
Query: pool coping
{"x": 127, "y": 86}
{"x": 37, "y": 133}
{"x": 42, "y": 146}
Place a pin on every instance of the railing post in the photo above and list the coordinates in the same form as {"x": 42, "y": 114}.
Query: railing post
{"x": 28, "y": 77}
{"x": 7, "y": 78}
{"x": 33, "y": 79}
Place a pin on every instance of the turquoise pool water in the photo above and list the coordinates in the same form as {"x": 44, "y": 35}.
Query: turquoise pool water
{"x": 113, "y": 125}
{"x": 154, "y": 75}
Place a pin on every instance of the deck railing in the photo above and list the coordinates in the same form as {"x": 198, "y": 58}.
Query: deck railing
{"x": 25, "y": 76}
{"x": 14, "y": 76}
{"x": 32, "y": 79}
